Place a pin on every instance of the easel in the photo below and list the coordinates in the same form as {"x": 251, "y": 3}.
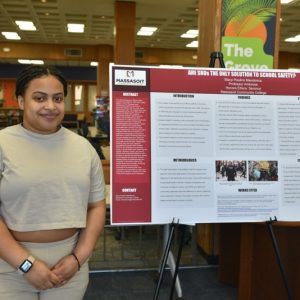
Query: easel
{"x": 216, "y": 56}
{"x": 219, "y": 56}
{"x": 169, "y": 229}
{"x": 168, "y": 258}
{"x": 278, "y": 257}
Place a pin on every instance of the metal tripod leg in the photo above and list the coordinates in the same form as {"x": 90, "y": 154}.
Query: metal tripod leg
{"x": 278, "y": 257}
{"x": 170, "y": 261}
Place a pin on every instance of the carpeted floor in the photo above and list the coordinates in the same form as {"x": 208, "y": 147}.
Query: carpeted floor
{"x": 125, "y": 264}
{"x": 196, "y": 283}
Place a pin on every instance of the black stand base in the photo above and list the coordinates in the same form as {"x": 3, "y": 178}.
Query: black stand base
{"x": 278, "y": 257}
{"x": 159, "y": 277}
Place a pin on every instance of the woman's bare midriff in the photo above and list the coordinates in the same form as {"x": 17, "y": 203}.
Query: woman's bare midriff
{"x": 44, "y": 236}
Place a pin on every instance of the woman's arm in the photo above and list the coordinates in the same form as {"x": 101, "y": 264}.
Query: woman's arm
{"x": 68, "y": 266}
{"x": 89, "y": 235}
{"x": 40, "y": 276}
{"x": 10, "y": 250}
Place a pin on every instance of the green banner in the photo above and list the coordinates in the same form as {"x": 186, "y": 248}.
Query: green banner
{"x": 248, "y": 33}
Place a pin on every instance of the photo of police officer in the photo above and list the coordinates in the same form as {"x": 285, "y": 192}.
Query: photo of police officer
{"x": 231, "y": 170}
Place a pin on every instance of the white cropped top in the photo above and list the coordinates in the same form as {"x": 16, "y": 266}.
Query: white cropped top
{"x": 47, "y": 181}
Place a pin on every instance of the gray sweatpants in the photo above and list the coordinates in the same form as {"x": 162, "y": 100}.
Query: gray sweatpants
{"x": 14, "y": 287}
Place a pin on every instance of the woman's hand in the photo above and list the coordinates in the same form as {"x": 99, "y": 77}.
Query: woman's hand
{"x": 41, "y": 277}
{"x": 65, "y": 269}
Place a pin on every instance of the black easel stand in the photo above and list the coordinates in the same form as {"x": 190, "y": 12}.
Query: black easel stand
{"x": 164, "y": 260}
{"x": 276, "y": 249}
{"x": 216, "y": 56}
{"x": 213, "y": 57}
{"x": 182, "y": 241}
{"x": 219, "y": 56}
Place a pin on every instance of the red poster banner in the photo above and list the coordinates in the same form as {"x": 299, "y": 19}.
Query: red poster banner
{"x": 131, "y": 192}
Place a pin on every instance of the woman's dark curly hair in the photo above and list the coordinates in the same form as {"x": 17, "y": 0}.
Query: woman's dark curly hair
{"x": 36, "y": 71}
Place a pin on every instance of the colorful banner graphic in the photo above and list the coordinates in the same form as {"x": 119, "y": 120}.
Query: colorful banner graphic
{"x": 248, "y": 33}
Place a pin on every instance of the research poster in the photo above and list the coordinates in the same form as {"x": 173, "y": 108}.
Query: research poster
{"x": 204, "y": 145}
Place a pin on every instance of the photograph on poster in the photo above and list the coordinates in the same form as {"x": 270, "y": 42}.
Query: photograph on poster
{"x": 231, "y": 170}
{"x": 263, "y": 170}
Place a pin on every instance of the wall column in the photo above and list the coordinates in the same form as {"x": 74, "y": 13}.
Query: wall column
{"x": 104, "y": 58}
{"x": 103, "y": 77}
{"x": 209, "y": 25}
{"x": 125, "y": 32}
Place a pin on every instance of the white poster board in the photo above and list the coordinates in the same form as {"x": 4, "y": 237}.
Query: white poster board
{"x": 204, "y": 145}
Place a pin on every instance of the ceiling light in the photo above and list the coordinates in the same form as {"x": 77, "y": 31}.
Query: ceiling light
{"x": 31, "y": 61}
{"x": 286, "y": 1}
{"x": 190, "y": 34}
{"x": 78, "y": 28}
{"x": 24, "y": 61}
{"x": 193, "y": 44}
{"x": 94, "y": 64}
{"x": 37, "y": 62}
{"x": 11, "y": 35}
{"x": 146, "y": 31}
{"x": 26, "y": 25}
{"x": 6, "y": 49}
{"x": 171, "y": 66}
{"x": 293, "y": 39}
{"x": 147, "y": 28}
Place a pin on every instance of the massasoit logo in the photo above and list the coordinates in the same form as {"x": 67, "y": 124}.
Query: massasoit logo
{"x": 248, "y": 29}
{"x": 130, "y": 77}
